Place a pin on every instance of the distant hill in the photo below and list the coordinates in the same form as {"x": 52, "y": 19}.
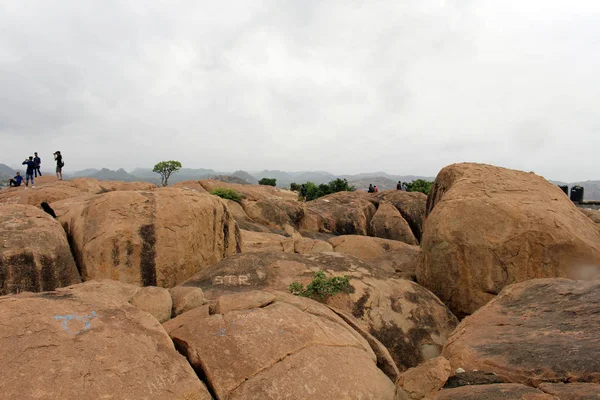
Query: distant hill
{"x": 106, "y": 174}
{"x": 84, "y": 173}
{"x": 246, "y": 177}
{"x": 5, "y": 170}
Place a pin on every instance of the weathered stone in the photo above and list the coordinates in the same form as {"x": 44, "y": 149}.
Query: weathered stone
{"x": 304, "y": 245}
{"x": 185, "y": 298}
{"x": 408, "y": 319}
{"x": 412, "y": 206}
{"x": 418, "y": 382}
{"x": 488, "y": 227}
{"x": 34, "y": 251}
{"x": 151, "y": 238}
{"x": 297, "y": 350}
{"x": 536, "y": 331}
{"x": 387, "y": 254}
{"x": 256, "y": 242}
{"x": 465, "y": 378}
{"x": 572, "y": 391}
{"x": 500, "y": 391}
{"x": 157, "y": 301}
{"x": 343, "y": 213}
{"x": 74, "y": 344}
{"x": 388, "y": 223}
{"x": 49, "y": 190}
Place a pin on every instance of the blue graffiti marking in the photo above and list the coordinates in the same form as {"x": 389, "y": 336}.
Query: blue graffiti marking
{"x": 66, "y": 318}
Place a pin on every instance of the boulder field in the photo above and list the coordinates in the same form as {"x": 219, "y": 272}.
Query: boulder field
{"x": 187, "y": 296}
{"x": 488, "y": 227}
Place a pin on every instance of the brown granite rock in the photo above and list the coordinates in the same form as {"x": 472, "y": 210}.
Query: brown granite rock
{"x": 488, "y": 227}
{"x": 408, "y": 319}
{"x": 533, "y": 332}
{"x": 500, "y": 391}
{"x": 388, "y": 223}
{"x": 290, "y": 348}
{"x": 34, "y": 251}
{"x": 572, "y": 391}
{"x": 77, "y": 343}
{"x": 151, "y": 238}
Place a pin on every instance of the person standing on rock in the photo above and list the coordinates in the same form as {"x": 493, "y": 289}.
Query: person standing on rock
{"x": 59, "y": 165}
{"x": 303, "y": 192}
{"x": 16, "y": 181}
{"x": 399, "y": 185}
{"x": 29, "y": 173}
{"x": 38, "y": 161}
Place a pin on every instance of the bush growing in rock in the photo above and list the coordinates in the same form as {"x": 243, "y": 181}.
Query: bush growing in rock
{"x": 268, "y": 182}
{"x": 321, "y": 287}
{"x": 228, "y": 194}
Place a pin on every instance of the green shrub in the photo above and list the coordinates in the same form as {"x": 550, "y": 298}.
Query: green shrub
{"x": 228, "y": 194}
{"x": 295, "y": 187}
{"x": 420, "y": 185}
{"x": 268, "y": 182}
{"x": 321, "y": 287}
{"x": 337, "y": 185}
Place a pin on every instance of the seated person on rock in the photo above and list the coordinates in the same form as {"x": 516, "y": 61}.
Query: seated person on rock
{"x": 16, "y": 181}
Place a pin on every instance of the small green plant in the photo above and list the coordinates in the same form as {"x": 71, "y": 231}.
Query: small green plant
{"x": 294, "y": 186}
{"x": 268, "y": 182}
{"x": 228, "y": 194}
{"x": 321, "y": 287}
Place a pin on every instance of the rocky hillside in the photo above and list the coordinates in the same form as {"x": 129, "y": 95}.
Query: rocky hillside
{"x": 139, "y": 292}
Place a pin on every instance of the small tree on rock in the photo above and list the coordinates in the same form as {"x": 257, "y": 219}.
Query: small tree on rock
{"x": 166, "y": 169}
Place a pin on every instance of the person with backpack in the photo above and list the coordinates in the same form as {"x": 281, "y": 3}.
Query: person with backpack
{"x": 59, "y": 164}
{"x": 29, "y": 173}
{"x": 38, "y": 161}
{"x": 303, "y": 192}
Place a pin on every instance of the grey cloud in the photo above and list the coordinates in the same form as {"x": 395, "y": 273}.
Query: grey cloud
{"x": 344, "y": 86}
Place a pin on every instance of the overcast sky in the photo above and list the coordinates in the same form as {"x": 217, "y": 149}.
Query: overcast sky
{"x": 345, "y": 86}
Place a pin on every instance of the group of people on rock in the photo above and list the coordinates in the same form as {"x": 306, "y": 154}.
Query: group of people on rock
{"x": 33, "y": 164}
{"x": 399, "y": 186}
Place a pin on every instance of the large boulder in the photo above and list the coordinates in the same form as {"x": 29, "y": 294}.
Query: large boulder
{"x": 412, "y": 206}
{"x": 534, "y": 331}
{"x": 271, "y": 346}
{"x": 74, "y": 344}
{"x": 500, "y": 391}
{"x": 34, "y": 251}
{"x": 342, "y": 213}
{"x": 151, "y": 238}
{"x": 263, "y": 204}
{"x": 388, "y": 223}
{"x": 408, "y": 319}
{"x": 488, "y": 227}
{"x": 387, "y": 254}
